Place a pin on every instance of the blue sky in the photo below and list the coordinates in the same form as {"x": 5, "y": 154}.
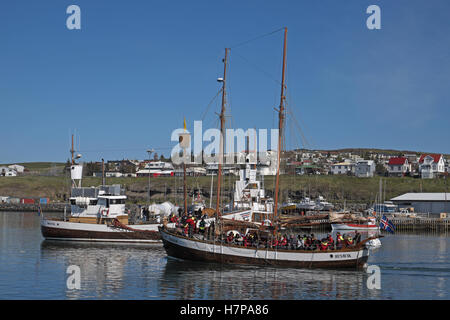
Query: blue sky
{"x": 125, "y": 81}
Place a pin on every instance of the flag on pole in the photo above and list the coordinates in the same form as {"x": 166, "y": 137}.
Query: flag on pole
{"x": 387, "y": 225}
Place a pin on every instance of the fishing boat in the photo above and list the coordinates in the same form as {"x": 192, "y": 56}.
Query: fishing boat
{"x": 306, "y": 204}
{"x": 264, "y": 249}
{"x": 369, "y": 224}
{"x": 97, "y": 214}
{"x": 323, "y": 205}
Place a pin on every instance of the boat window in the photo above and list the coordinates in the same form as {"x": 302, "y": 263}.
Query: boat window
{"x": 73, "y": 202}
{"x": 117, "y": 201}
{"x": 93, "y": 202}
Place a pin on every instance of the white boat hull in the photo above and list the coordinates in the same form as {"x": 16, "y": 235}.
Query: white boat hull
{"x": 73, "y": 231}
{"x": 353, "y": 226}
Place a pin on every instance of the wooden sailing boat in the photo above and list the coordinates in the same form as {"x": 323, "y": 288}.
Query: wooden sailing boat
{"x": 261, "y": 251}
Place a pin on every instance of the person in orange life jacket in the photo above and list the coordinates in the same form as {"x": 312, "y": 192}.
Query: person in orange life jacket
{"x": 330, "y": 241}
{"x": 274, "y": 242}
{"x": 339, "y": 240}
{"x": 186, "y": 229}
{"x": 246, "y": 241}
{"x": 283, "y": 242}
{"x": 349, "y": 241}
{"x": 307, "y": 242}
{"x": 324, "y": 244}
{"x": 191, "y": 221}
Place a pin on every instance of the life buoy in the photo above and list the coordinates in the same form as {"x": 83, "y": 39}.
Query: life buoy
{"x": 105, "y": 212}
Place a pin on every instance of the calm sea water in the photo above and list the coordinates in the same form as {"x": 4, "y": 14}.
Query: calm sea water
{"x": 412, "y": 266}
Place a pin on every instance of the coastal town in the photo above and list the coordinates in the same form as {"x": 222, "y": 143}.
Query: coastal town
{"x": 358, "y": 162}
{"x": 348, "y": 167}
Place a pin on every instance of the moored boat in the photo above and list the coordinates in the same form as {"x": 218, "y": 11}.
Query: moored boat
{"x": 97, "y": 214}
{"x": 369, "y": 224}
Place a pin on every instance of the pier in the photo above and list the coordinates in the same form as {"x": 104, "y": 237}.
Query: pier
{"x": 420, "y": 224}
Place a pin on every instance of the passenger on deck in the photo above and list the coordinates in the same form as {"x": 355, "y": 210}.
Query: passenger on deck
{"x": 283, "y": 243}
{"x": 357, "y": 237}
{"x": 330, "y": 241}
{"x": 349, "y": 241}
{"x": 324, "y": 244}
{"x": 201, "y": 226}
{"x": 300, "y": 242}
{"x": 339, "y": 241}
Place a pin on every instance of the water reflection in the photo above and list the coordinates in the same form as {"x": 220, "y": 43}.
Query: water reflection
{"x": 214, "y": 281}
{"x": 413, "y": 266}
{"x": 103, "y": 266}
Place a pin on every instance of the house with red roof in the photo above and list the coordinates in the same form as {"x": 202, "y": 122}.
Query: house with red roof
{"x": 398, "y": 166}
{"x": 431, "y": 165}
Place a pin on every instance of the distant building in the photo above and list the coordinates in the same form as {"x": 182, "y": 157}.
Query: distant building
{"x": 7, "y": 172}
{"x": 365, "y": 168}
{"x": 227, "y": 169}
{"x": 307, "y": 169}
{"x": 113, "y": 174}
{"x": 412, "y": 157}
{"x": 431, "y": 165}
{"x": 17, "y": 167}
{"x": 347, "y": 168}
{"x": 398, "y": 166}
{"x": 434, "y": 203}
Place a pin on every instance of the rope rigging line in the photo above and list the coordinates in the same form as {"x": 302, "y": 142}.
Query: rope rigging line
{"x": 256, "y": 38}
{"x": 273, "y": 78}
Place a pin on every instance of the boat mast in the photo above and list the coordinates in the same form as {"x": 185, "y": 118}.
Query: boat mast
{"x": 280, "y": 126}
{"x": 184, "y": 175}
{"x": 222, "y": 129}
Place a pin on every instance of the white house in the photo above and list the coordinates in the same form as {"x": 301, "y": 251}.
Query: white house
{"x": 343, "y": 168}
{"x": 113, "y": 174}
{"x": 398, "y": 166}
{"x": 365, "y": 168}
{"x": 7, "y": 172}
{"x": 431, "y": 165}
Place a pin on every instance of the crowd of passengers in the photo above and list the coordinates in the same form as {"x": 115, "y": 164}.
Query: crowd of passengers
{"x": 191, "y": 225}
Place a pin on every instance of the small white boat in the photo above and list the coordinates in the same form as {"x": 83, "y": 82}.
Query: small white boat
{"x": 97, "y": 214}
{"x": 370, "y": 224}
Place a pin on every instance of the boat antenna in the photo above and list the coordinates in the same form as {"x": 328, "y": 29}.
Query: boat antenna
{"x": 222, "y": 129}
{"x": 103, "y": 172}
{"x": 184, "y": 176}
{"x": 72, "y": 151}
{"x": 280, "y": 128}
